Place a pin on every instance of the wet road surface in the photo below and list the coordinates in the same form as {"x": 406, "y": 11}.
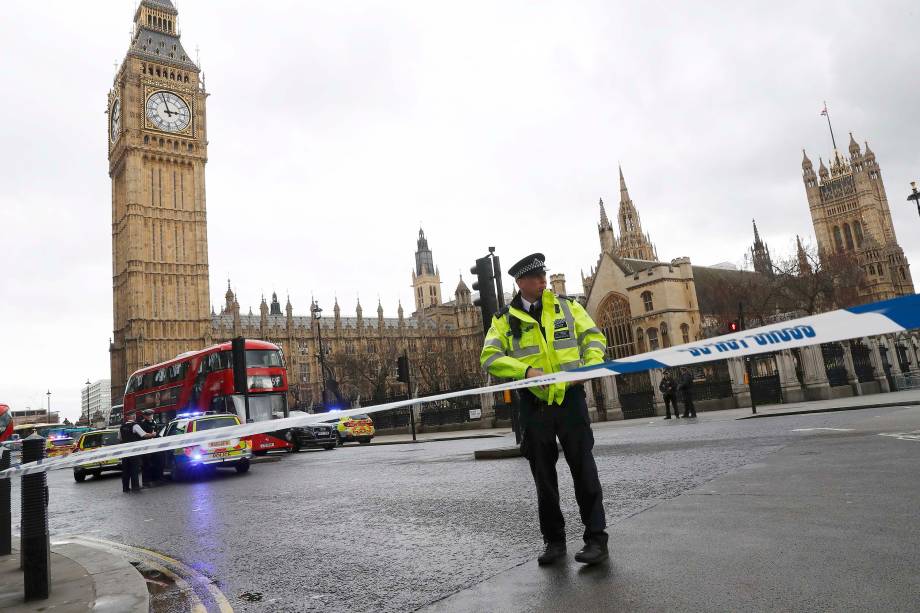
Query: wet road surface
{"x": 397, "y": 527}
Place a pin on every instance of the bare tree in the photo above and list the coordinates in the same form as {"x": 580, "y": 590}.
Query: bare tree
{"x": 812, "y": 283}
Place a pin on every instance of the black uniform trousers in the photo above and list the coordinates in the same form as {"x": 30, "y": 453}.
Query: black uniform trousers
{"x": 541, "y": 424}
{"x": 670, "y": 400}
{"x": 689, "y": 409}
{"x": 129, "y": 470}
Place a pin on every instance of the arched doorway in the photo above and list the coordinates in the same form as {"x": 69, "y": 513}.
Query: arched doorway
{"x": 613, "y": 317}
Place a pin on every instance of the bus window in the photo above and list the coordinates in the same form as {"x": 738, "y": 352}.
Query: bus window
{"x": 263, "y": 358}
{"x": 134, "y": 384}
{"x": 176, "y": 372}
{"x": 147, "y": 382}
{"x": 159, "y": 377}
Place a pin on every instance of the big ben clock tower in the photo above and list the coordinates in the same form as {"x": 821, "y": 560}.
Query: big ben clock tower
{"x": 157, "y": 152}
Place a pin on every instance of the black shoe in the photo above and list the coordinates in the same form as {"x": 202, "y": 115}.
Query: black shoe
{"x": 668, "y": 417}
{"x": 125, "y": 491}
{"x": 553, "y": 552}
{"x": 592, "y": 553}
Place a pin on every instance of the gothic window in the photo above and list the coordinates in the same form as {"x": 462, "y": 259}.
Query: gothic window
{"x": 640, "y": 340}
{"x": 185, "y": 79}
{"x": 685, "y": 332}
{"x": 901, "y": 270}
{"x": 647, "y": 301}
{"x": 146, "y": 139}
{"x": 652, "y": 338}
{"x": 848, "y": 235}
{"x": 838, "y": 240}
{"x": 665, "y": 338}
{"x": 857, "y": 228}
{"x": 871, "y": 269}
{"x": 613, "y": 317}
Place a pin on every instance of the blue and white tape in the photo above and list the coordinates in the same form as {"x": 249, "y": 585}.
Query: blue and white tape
{"x": 889, "y": 316}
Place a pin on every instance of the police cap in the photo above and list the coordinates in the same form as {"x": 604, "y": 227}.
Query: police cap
{"x": 535, "y": 263}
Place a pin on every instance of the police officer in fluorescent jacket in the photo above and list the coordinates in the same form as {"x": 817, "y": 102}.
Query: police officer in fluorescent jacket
{"x": 540, "y": 332}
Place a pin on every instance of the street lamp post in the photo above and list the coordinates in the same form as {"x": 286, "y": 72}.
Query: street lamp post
{"x": 85, "y": 410}
{"x": 48, "y": 394}
{"x": 317, "y": 312}
{"x": 915, "y": 195}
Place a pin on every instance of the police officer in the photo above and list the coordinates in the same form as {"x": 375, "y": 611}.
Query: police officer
{"x": 540, "y": 332}
{"x": 150, "y": 462}
{"x": 668, "y": 388}
{"x": 130, "y": 432}
{"x": 686, "y": 391}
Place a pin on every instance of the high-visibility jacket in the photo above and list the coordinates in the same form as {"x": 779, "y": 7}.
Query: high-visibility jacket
{"x": 572, "y": 340}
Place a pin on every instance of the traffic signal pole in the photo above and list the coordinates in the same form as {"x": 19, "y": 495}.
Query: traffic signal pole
{"x": 748, "y": 371}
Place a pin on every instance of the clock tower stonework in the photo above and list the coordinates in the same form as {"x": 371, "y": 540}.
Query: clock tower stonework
{"x": 157, "y": 153}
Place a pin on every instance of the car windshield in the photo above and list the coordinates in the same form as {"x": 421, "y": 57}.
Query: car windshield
{"x": 100, "y": 439}
{"x": 215, "y": 422}
{"x": 361, "y": 416}
{"x": 61, "y": 442}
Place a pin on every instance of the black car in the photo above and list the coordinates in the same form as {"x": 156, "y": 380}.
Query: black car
{"x": 314, "y": 435}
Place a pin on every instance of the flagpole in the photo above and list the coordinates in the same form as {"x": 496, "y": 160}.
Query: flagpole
{"x": 828, "y": 115}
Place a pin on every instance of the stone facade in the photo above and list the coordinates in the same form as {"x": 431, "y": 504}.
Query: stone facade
{"x": 443, "y": 341}
{"x": 849, "y": 210}
{"x": 157, "y": 154}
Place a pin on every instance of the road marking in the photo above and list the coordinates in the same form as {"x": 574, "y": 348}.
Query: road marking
{"x": 218, "y": 599}
{"x": 913, "y": 435}
{"x": 833, "y": 429}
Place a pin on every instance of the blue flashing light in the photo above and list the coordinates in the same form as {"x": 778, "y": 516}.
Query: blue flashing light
{"x": 189, "y": 414}
{"x": 196, "y": 456}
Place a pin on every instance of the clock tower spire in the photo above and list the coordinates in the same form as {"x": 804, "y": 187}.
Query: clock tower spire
{"x": 157, "y": 154}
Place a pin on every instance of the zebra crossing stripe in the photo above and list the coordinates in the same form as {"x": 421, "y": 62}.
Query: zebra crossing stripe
{"x": 889, "y": 316}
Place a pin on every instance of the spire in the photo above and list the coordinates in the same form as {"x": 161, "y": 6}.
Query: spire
{"x": 806, "y": 163}
{"x": 605, "y": 221}
{"x": 623, "y": 190}
{"x": 804, "y": 264}
{"x": 760, "y": 254}
{"x": 358, "y": 310}
{"x": 288, "y": 308}
{"x": 633, "y": 242}
{"x": 822, "y": 169}
{"x": 869, "y": 155}
{"x": 756, "y": 234}
{"x": 854, "y": 146}
{"x": 275, "y": 306}
{"x": 379, "y": 309}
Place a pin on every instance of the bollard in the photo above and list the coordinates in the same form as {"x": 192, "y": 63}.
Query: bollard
{"x": 35, "y": 544}
{"x": 6, "y": 514}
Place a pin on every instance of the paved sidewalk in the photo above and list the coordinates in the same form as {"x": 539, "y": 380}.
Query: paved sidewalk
{"x": 827, "y": 523}
{"x": 82, "y": 579}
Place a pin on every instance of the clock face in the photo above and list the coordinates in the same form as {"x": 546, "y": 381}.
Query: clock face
{"x": 115, "y": 119}
{"x": 168, "y": 112}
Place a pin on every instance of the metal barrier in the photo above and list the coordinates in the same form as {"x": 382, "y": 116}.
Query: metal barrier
{"x": 6, "y": 515}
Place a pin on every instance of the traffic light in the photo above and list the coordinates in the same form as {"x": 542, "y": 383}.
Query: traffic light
{"x": 487, "y": 301}
{"x": 402, "y": 369}
{"x": 733, "y": 326}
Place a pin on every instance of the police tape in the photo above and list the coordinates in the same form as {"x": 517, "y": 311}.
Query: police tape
{"x": 889, "y": 316}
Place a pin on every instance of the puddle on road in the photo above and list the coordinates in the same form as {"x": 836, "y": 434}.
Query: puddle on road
{"x": 165, "y": 595}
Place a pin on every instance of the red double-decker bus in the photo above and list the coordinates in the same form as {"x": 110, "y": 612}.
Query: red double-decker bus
{"x": 200, "y": 381}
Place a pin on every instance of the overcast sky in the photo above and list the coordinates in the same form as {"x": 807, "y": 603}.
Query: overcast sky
{"x": 336, "y": 128}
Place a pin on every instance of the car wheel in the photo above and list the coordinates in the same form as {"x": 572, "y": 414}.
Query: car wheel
{"x": 365, "y": 441}
{"x": 328, "y": 447}
{"x": 242, "y": 466}
{"x": 79, "y": 477}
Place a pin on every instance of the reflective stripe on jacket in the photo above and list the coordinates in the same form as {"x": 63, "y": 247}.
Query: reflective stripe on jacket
{"x": 572, "y": 340}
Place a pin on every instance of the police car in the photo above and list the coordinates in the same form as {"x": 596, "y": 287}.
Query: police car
{"x": 355, "y": 428}
{"x": 94, "y": 440}
{"x": 230, "y": 452}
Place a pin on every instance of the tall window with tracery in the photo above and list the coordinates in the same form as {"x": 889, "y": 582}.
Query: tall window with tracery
{"x": 685, "y": 332}
{"x": 613, "y": 317}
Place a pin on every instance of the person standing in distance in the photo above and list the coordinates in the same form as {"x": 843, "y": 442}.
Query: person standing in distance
{"x": 669, "y": 392}
{"x": 686, "y": 391}
{"x": 130, "y": 432}
{"x": 540, "y": 332}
